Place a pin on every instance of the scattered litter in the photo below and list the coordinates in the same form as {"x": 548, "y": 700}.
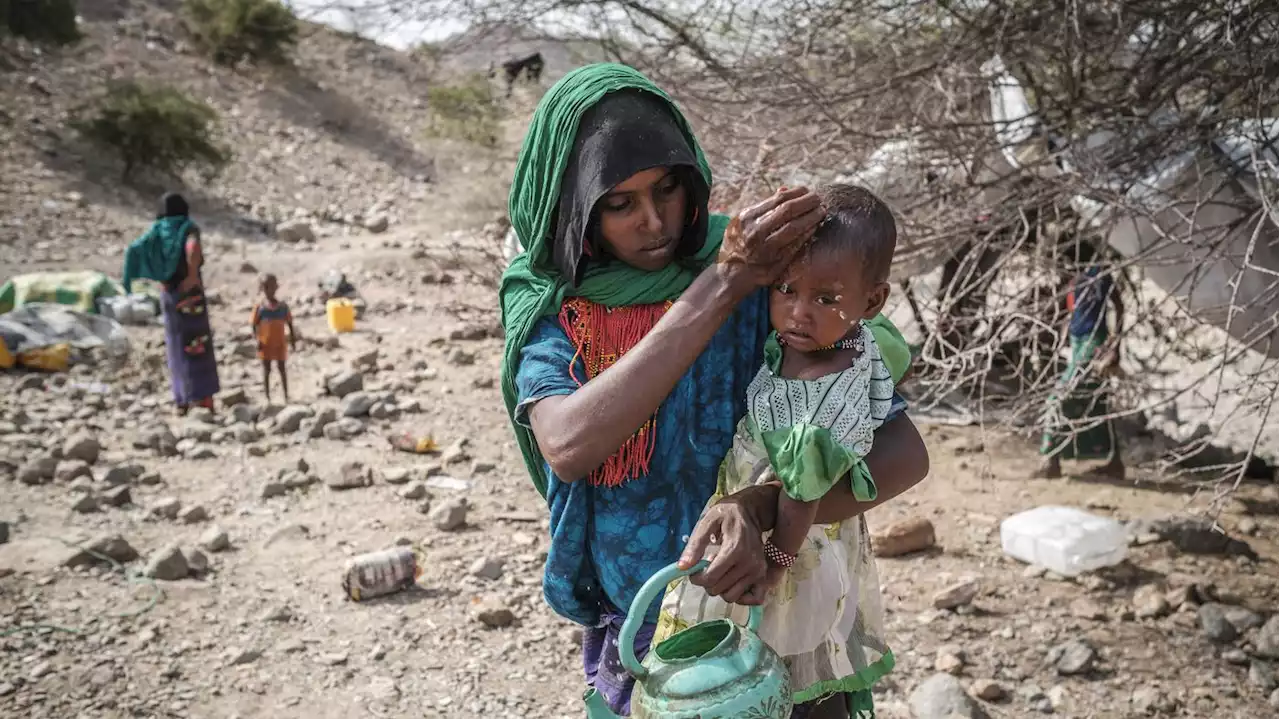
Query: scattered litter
{"x": 1063, "y": 540}
{"x": 377, "y": 574}
{"x": 444, "y": 481}
{"x": 424, "y": 444}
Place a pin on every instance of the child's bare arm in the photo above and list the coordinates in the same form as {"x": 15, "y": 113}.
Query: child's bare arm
{"x": 794, "y": 519}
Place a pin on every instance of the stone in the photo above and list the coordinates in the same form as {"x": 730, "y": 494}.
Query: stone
{"x": 941, "y": 696}
{"x": 215, "y": 539}
{"x": 272, "y": 489}
{"x": 167, "y": 564}
{"x": 1265, "y": 639}
{"x": 415, "y": 491}
{"x": 903, "y": 537}
{"x": 1200, "y": 535}
{"x": 244, "y": 413}
{"x": 112, "y": 546}
{"x": 295, "y": 231}
{"x": 949, "y": 659}
{"x": 85, "y": 504}
{"x": 193, "y": 514}
{"x": 350, "y": 476}
{"x": 1058, "y": 697}
{"x": 69, "y": 470}
{"x": 988, "y": 690}
{"x": 82, "y": 447}
{"x": 487, "y": 568}
{"x": 377, "y": 223}
{"x": 166, "y": 508}
{"x": 493, "y": 614}
{"x": 1263, "y": 675}
{"x": 1243, "y": 619}
{"x": 455, "y": 453}
{"x": 1086, "y": 608}
{"x": 1072, "y": 657}
{"x": 1214, "y": 624}
{"x": 345, "y": 383}
{"x": 290, "y": 419}
{"x": 197, "y": 562}
{"x": 358, "y": 404}
{"x": 334, "y": 659}
{"x": 1149, "y": 602}
{"x": 116, "y": 497}
{"x": 119, "y": 475}
{"x": 396, "y": 475}
{"x": 38, "y": 470}
{"x": 449, "y": 515}
{"x": 246, "y": 433}
{"x": 956, "y": 595}
{"x": 234, "y": 398}
{"x": 1236, "y": 656}
{"x": 1148, "y": 701}
{"x": 237, "y": 657}
{"x": 277, "y": 613}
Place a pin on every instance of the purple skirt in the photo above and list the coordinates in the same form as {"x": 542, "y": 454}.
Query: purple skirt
{"x": 188, "y": 342}
{"x": 603, "y": 665}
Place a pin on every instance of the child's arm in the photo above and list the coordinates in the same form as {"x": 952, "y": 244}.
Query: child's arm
{"x": 293, "y": 334}
{"x": 794, "y": 519}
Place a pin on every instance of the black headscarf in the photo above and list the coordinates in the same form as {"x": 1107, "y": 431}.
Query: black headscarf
{"x": 626, "y": 132}
{"x": 172, "y": 205}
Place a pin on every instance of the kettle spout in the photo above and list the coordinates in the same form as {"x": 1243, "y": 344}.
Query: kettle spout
{"x": 596, "y": 708}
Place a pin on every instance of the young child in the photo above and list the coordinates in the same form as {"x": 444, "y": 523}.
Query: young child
{"x": 812, "y": 411}
{"x": 272, "y": 323}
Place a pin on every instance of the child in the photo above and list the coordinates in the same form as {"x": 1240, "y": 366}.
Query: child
{"x": 271, "y": 319}
{"x": 811, "y": 413}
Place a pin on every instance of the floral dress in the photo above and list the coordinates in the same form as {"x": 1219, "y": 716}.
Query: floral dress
{"x": 825, "y": 618}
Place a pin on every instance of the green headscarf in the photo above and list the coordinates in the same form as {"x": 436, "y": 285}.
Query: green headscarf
{"x": 533, "y": 287}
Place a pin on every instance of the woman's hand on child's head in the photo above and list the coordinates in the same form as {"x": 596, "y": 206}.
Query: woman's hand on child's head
{"x": 762, "y": 240}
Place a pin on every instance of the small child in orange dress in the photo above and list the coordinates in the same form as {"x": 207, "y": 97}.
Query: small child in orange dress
{"x": 272, "y": 323}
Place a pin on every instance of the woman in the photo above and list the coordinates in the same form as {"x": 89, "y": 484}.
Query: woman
{"x": 170, "y": 253}
{"x": 1077, "y": 415}
{"x": 632, "y": 334}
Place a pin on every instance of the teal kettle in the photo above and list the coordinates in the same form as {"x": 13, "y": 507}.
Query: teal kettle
{"x": 714, "y": 669}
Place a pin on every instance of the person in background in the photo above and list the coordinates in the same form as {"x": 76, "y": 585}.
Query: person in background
{"x": 170, "y": 253}
{"x": 1077, "y": 415}
{"x": 273, "y": 327}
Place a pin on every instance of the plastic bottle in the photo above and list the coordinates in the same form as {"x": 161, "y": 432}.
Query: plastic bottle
{"x": 1063, "y": 540}
{"x": 379, "y": 573}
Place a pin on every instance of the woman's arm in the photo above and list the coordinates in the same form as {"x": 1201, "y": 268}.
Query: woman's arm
{"x": 194, "y": 259}
{"x": 579, "y": 431}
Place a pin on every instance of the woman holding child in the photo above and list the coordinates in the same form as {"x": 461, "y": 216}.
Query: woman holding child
{"x": 636, "y": 324}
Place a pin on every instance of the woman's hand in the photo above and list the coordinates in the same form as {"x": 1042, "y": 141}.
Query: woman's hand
{"x": 762, "y": 240}
{"x": 739, "y": 572}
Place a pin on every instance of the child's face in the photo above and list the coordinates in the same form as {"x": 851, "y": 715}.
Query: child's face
{"x": 820, "y": 298}
{"x": 269, "y": 287}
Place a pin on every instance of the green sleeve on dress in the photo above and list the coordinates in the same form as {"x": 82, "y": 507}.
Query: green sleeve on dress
{"x": 893, "y": 346}
{"x": 809, "y": 462}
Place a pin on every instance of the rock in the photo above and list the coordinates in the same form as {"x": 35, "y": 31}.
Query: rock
{"x": 396, "y": 475}
{"x": 415, "y": 491}
{"x": 85, "y": 504}
{"x": 193, "y": 514}
{"x": 1244, "y": 620}
{"x": 294, "y": 231}
{"x": 1214, "y": 624}
{"x": 1235, "y": 656}
{"x": 1200, "y": 535}
{"x": 215, "y": 539}
{"x": 1086, "y": 608}
{"x": 905, "y": 536}
{"x": 350, "y": 476}
{"x": 119, "y": 475}
{"x": 82, "y": 447}
{"x": 272, "y": 489}
{"x": 1265, "y": 639}
{"x": 167, "y": 564}
{"x": 1148, "y": 701}
{"x": 345, "y": 383}
{"x": 941, "y": 696}
{"x": 1072, "y": 657}
{"x": 956, "y": 595}
{"x": 377, "y": 223}
{"x": 1149, "y": 602}
{"x": 38, "y": 470}
{"x": 244, "y": 413}
{"x": 1058, "y": 698}
{"x": 450, "y": 515}
{"x": 487, "y": 568}
{"x": 459, "y": 357}
{"x": 455, "y": 453}
{"x": 236, "y": 658}
{"x": 166, "y": 508}
{"x": 335, "y": 659}
{"x": 277, "y": 613}
{"x": 246, "y": 433}
{"x": 290, "y": 419}
{"x": 358, "y": 404}
{"x": 69, "y": 470}
{"x": 949, "y": 659}
{"x": 116, "y": 497}
{"x": 1263, "y": 675}
{"x": 323, "y": 419}
{"x": 112, "y": 546}
{"x": 197, "y": 562}
{"x": 987, "y": 690}
{"x": 493, "y": 614}
{"x": 1035, "y": 697}
{"x": 234, "y": 398}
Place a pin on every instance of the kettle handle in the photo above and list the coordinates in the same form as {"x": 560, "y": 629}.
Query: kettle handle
{"x": 650, "y": 591}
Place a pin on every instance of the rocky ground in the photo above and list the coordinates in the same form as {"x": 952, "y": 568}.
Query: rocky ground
{"x": 157, "y": 566}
